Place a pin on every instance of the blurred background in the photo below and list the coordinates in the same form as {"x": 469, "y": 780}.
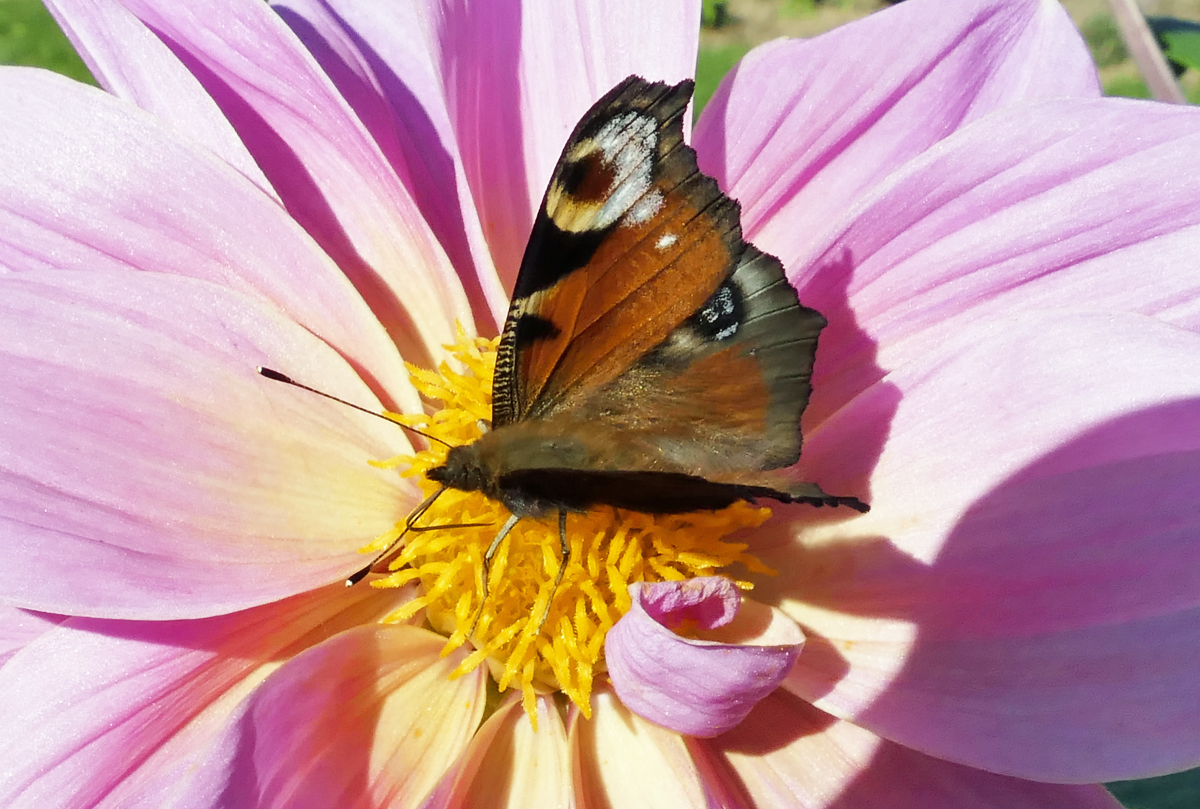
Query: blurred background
{"x": 29, "y": 36}
{"x": 732, "y": 27}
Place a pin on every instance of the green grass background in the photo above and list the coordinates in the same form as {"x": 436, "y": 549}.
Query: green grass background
{"x": 29, "y": 36}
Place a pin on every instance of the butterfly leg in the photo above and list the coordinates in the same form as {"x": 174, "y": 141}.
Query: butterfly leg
{"x": 409, "y": 525}
{"x": 562, "y": 568}
{"x": 487, "y": 563}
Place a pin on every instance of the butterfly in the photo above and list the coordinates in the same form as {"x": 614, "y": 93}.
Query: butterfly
{"x": 651, "y": 359}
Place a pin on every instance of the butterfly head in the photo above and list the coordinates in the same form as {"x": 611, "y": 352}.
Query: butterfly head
{"x": 463, "y": 469}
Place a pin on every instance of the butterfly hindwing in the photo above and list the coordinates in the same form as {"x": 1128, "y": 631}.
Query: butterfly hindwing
{"x": 724, "y": 392}
{"x": 720, "y": 397}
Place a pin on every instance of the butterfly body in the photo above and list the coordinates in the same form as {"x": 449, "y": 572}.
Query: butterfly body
{"x": 543, "y": 469}
{"x": 651, "y": 359}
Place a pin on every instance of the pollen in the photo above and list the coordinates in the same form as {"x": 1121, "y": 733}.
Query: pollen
{"x": 609, "y": 550}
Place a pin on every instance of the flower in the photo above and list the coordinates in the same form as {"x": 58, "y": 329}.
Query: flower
{"x": 1008, "y": 264}
{"x": 537, "y": 614}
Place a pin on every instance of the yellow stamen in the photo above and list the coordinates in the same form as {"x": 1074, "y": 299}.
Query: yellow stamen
{"x": 610, "y": 549}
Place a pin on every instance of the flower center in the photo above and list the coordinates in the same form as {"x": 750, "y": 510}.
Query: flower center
{"x": 609, "y": 550}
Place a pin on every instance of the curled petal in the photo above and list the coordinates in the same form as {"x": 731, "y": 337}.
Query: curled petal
{"x": 694, "y": 686}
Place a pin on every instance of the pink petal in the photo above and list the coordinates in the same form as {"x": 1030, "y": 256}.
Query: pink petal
{"x": 73, "y": 196}
{"x": 115, "y": 713}
{"x": 788, "y": 753}
{"x": 1030, "y": 551}
{"x": 517, "y": 78}
{"x": 149, "y": 471}
{"x": 18, "y": 628}
{"x": 369, "y": 718}
{"x": 492, "y": 91}
{"x": 382, "y": 65}
{"x": 133, "y": 64}
{"x": 620, "y": 759}
{"x": 509, "y": 764}
{"x": 1063, "y": 204}
{"x": 800, "y": 129}
{"x": 324, "y": 164}
{"x": 697, "y": 686}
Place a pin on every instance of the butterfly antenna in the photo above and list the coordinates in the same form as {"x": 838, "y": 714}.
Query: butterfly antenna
{"x": 408, "y": 526}
{"x": 287, "y": 380}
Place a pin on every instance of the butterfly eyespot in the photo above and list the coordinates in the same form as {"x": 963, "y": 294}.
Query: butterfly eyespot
{"x": 587, "y": 179}
{"x": 721, "y": 315}
{"x": 608, "y": 178}
{"x": 652, "y": 364}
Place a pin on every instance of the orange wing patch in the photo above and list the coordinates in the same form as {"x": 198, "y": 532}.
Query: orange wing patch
{"x": 630, "y": 240}
{"x": 640, "y": 284}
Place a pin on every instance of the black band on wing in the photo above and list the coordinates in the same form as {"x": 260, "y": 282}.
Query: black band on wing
{"x": 552, "y": 254}
{"x": 530, "y": 327}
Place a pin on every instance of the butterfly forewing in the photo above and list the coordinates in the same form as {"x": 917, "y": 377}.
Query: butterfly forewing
{"x": 631, "y": 240}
